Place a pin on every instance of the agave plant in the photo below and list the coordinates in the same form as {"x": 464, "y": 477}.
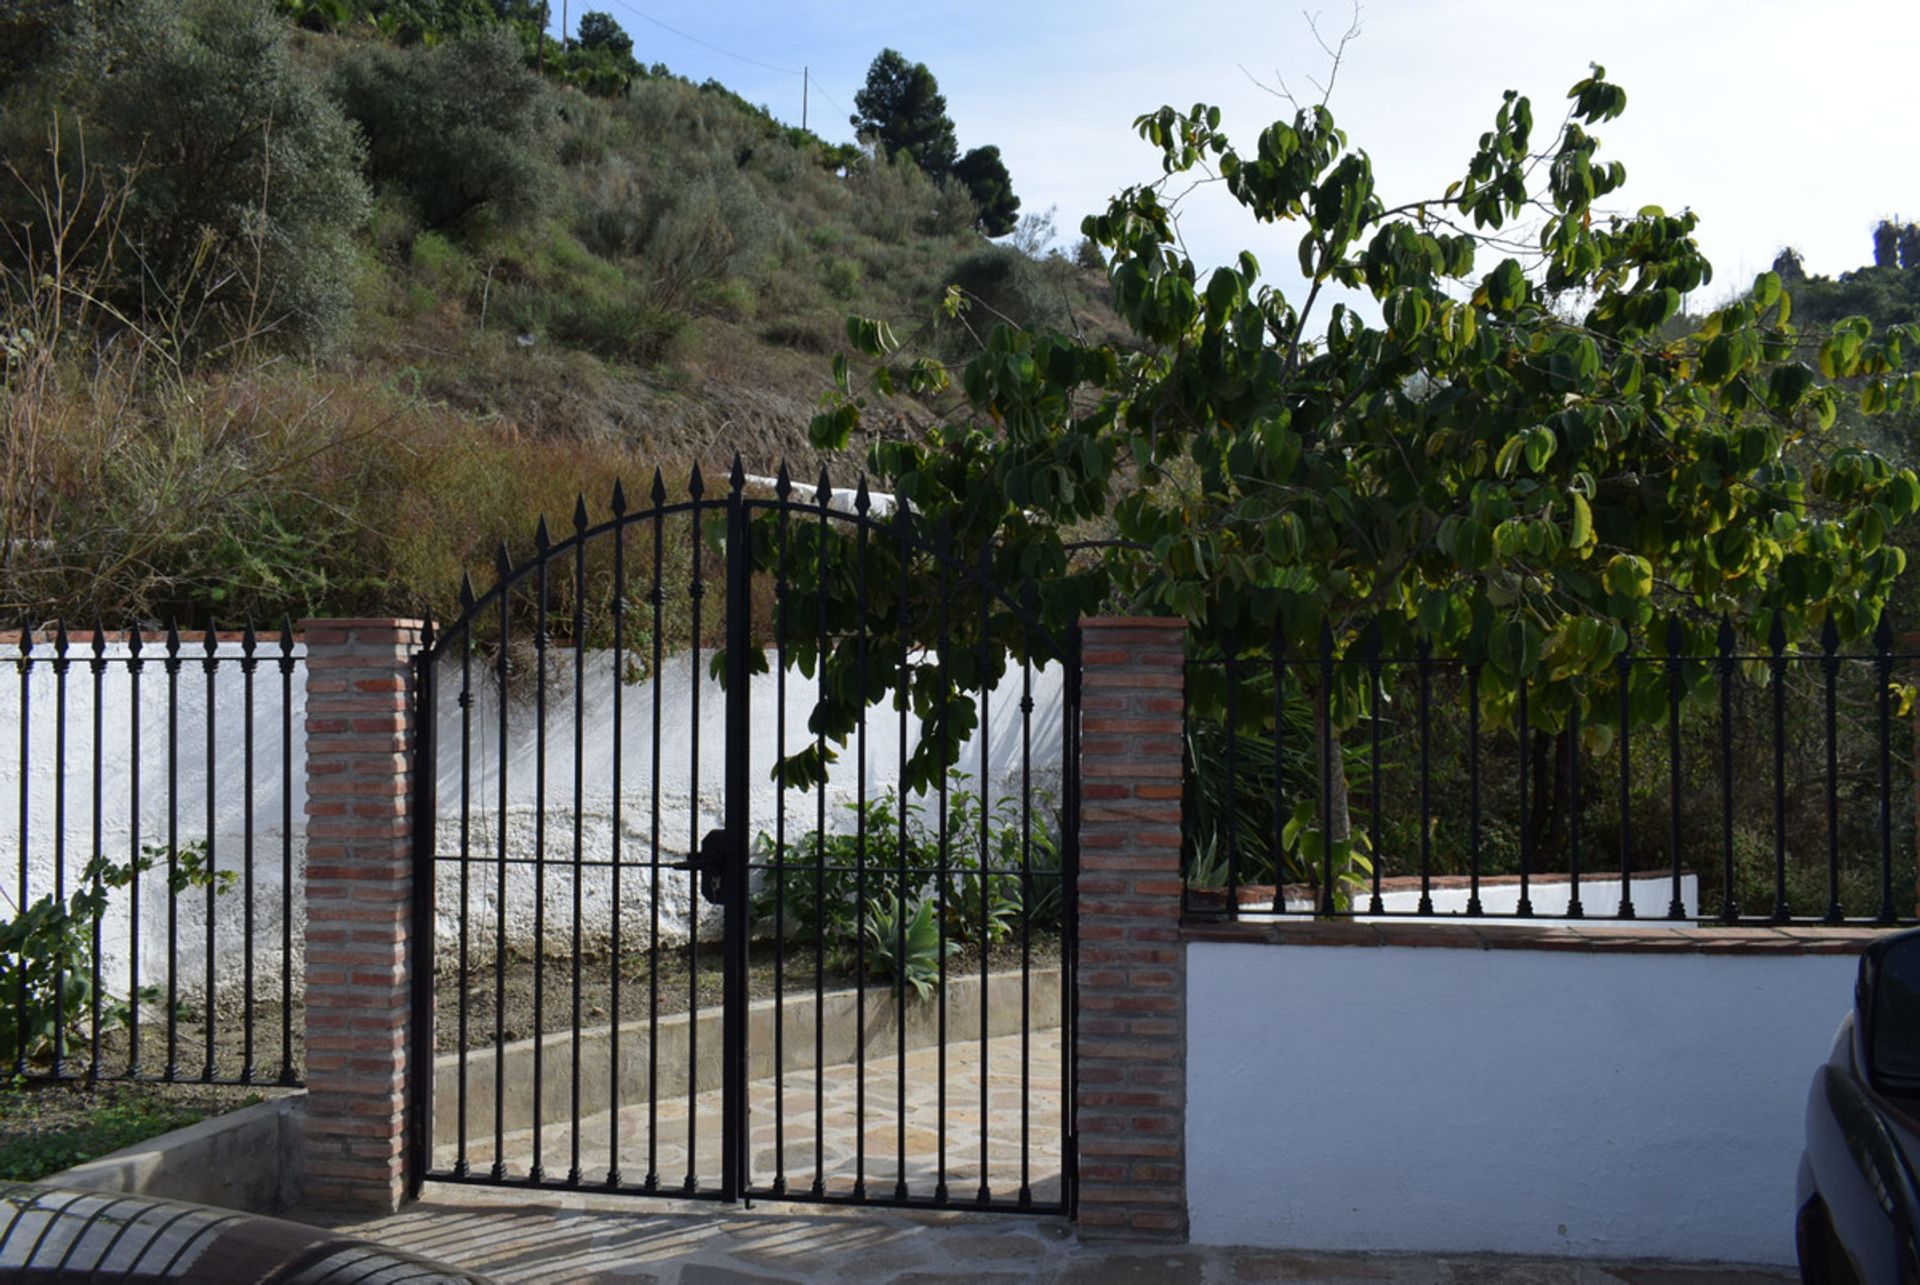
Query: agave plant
{"x": 905, "y": 941}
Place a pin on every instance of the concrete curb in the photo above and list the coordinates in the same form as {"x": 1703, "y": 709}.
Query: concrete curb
{"x": 240, "y": 1160}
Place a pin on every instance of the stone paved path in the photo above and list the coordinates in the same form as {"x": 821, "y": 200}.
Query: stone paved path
{"x": 510, "y": 1237}
{"x": 1021, "y": 1147}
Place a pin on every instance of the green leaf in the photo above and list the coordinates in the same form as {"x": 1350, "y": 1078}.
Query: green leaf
{"x": 1580, "y": 528}
{"x": 1506, "y": 287}
{"x": 1629, "y": 576}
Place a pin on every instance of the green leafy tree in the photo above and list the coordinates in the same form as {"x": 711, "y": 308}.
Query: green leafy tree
{"x": 986, "y": 179}
{"x": 598, "y": 30}
{"x": 1515, "y": 462}
{"x": 466, "y": 130}
{"x": 1886, "y": 244}
{"x": 903, "y": 108}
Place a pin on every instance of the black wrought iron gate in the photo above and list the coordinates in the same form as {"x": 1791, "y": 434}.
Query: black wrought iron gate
{"x": 831, "y": 960}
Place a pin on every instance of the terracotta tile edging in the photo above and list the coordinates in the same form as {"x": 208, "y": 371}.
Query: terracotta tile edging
{"x": 1599, "y": 937}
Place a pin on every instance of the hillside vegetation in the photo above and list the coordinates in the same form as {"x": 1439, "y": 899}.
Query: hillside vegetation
{"x": 302, "y": 320}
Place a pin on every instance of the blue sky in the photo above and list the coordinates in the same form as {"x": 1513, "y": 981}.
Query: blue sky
{"x": 1781, "y": 122}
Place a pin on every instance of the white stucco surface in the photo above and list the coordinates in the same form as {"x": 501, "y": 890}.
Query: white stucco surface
{"x": 59, "y": 812}
{"x": 690, "y": 803}
{"x": 1528, "y": 1102}
{"x": 59, "y": 816}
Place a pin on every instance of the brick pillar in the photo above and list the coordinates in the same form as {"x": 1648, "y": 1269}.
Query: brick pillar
{"x": 359, "y": 876}
{"x": 1131, "y": 1079}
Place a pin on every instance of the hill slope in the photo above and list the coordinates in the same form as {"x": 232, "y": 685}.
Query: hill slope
{"x": 532, "y": 291}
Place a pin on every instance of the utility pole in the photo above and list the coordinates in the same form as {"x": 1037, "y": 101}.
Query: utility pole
{"x": 543, "y": 39}
{"x": 803, "y": 96}
{"x": 563, "y": 28}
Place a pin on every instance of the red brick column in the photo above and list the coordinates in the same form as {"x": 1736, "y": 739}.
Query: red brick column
{"x": 1131, "y": 1055}
{"x": 360, "y": 739}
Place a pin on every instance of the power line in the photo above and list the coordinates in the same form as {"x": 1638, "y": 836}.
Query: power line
{"x": 828, "y": 96}
{"x": 707, "y": 44}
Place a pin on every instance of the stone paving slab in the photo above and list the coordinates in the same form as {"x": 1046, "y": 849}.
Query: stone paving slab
{"x": 817, "y": 1135}
{"x": 511, "y": 1236}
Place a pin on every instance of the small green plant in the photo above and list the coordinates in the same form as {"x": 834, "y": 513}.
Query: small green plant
{"x": 46, "y": 952}
{"x": 811, "y": 886}
{"x": 893, "y": 924}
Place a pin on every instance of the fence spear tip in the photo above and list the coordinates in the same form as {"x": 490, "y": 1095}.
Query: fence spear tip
{"x": 824, "y": 493}
{"x": 619, "y": 499}
{"x": 1830, "y": 635}
{"x": 659, "y": 488}
{"x": 1883, "y": 631}
{"x": 541, "y": 539}
{"x": 783, "y": 481}
{"x": 696, "y": 485}
{"x": 579, "y": 512}
{"x": 737, "y": 478}
{"x": 861, "y": 500}
{"x": 466, "y": 591}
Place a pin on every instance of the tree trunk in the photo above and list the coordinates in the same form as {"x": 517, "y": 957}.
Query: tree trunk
{"x": 1330, "y": 786}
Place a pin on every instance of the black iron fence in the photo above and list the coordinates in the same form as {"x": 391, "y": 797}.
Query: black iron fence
{"x": 151, "y": 925}
{"x": 1704, "y": 773}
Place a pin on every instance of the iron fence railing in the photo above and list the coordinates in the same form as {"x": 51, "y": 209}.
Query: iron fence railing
{"x": 152, "y": 921}
{"x": 1701, "y": 775}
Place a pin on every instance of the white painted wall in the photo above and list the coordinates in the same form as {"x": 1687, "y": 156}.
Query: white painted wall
{"x": 690, "y": 805}
{"x": 121, "y": 828}
{"x": 1538, "y": 1102}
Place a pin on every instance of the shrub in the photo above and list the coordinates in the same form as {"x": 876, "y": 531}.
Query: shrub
{"x": 686, "y": 230}
{"x": 810, "y": 888}
{"x": 46, "y": 953}
{"x": 635, "y": 331}
{"x": 843, "y": 278}
{"x": 1003, "y": 286}
{"x": 465, "y": 129}
{"x": 241, "y": 177}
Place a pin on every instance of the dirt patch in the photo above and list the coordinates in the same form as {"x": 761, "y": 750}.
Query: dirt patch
{"x": 45, "y": 1128}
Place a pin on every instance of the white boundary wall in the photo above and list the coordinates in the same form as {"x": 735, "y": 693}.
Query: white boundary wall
{"x": 117, "y": 818}
{"x": 687, "y": 807}
{"x": 1609, "y": 1105}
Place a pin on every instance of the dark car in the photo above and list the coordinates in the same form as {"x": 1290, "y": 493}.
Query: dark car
{"x": 1859, "y": 1201}
{"x": 57, "y": 1234}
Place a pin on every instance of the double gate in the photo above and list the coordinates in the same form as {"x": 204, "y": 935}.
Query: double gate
{"x": 744, "y": 869}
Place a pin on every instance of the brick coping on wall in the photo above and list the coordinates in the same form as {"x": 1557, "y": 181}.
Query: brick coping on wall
{"x": 1594, "y": 938}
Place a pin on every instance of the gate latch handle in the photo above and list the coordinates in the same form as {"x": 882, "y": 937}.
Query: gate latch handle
{"x": 711, "y": 862}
